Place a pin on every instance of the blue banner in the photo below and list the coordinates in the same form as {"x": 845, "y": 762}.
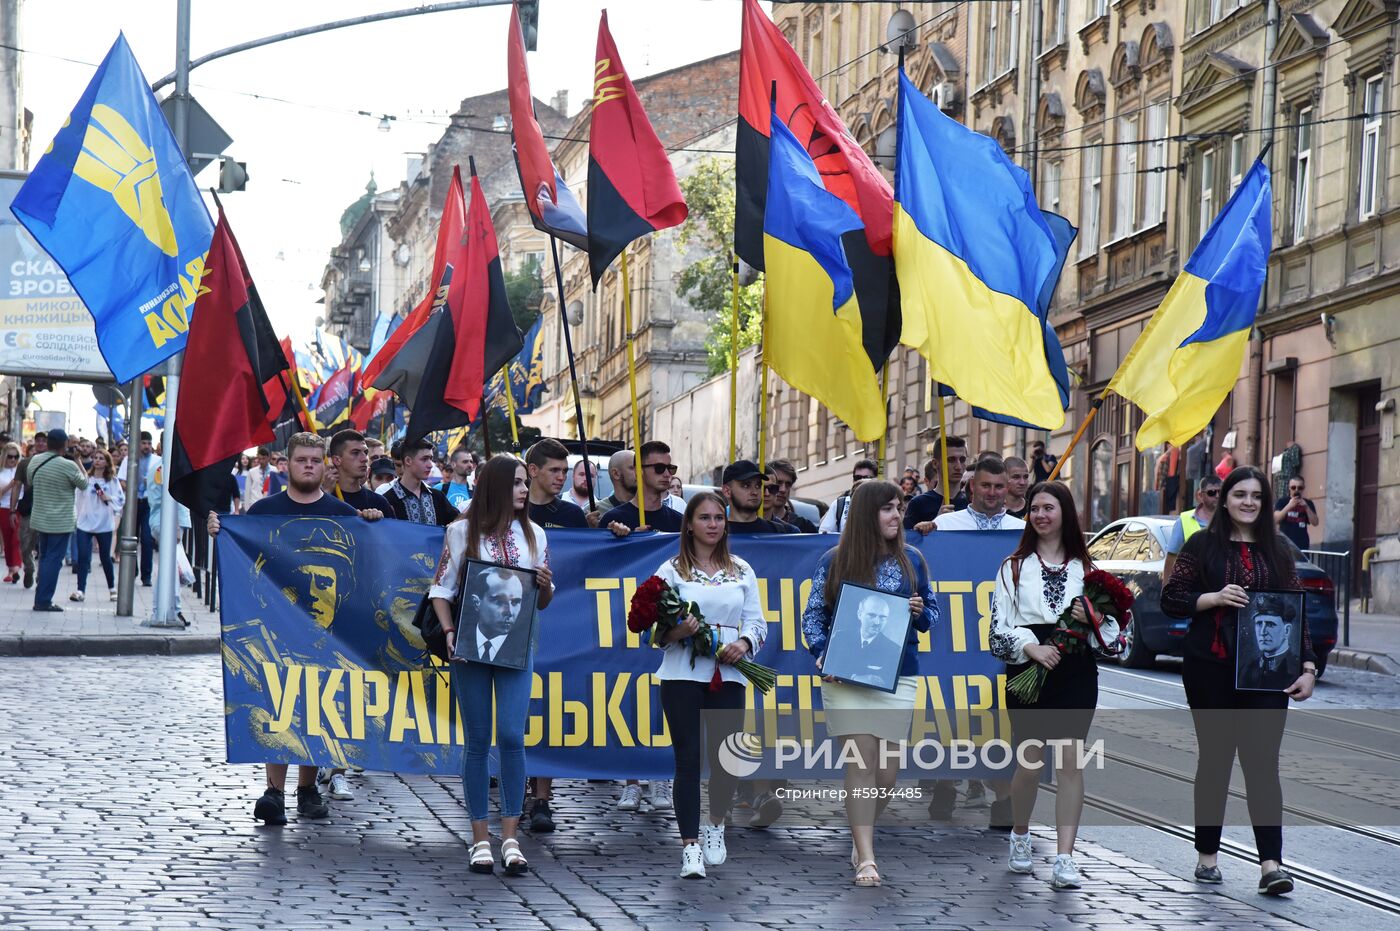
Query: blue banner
{"x": 114, "y": 203}
{"x": 322, "y": 664}
{"x": 526, "y": 370}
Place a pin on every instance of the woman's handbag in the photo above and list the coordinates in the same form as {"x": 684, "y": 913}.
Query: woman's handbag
{"x": 426, "y": 620}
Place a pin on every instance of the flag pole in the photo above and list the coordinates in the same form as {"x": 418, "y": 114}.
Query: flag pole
{"x": 943, "y": 447}
{"x": 884, "y": 393}
{"x": 632, "y": 386}
{"x": 573, "y": 370}
{"x": 763, "y": 403}
{"x": 1078, "y": 434}
{"x": 734, "y": 359}
{"x": 510, "y": 405}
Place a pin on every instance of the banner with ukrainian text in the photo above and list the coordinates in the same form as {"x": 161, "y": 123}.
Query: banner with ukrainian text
{"x": 322, "y": 665}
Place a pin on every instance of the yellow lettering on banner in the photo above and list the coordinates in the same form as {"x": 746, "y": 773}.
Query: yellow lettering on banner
{"x": 160, "y": 331}
{"x": 957, "y": 621}
{"x": 985, "y": 590}
{"x": 604, "y": 588}
{"x": 646, "y": 683}
{"x": 324, "y": 703}
{"x": 283, "y": 695}
{"x": 359, "y": 707}
{"x": 173, "y": 310}
{"x": 976, "y": 722}
{"x": 410, "y": 685}
{"x": 931, "y": 711}
{"x": 560, "y": 710}
{"x": 448, "y": 724}
{"x": 192, "y": 287}
{"x": 607, "y": 709}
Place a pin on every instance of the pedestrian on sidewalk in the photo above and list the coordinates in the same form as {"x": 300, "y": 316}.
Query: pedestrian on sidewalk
{"x": 700, "y": 711}
{"x": 872, "y": 553}
{"x": 1240, "y": 551}
{"x": 1035, "y": 583}
{"x": 97, "y": 508}
{"x": 9, "y": 520}
{"x": 495, "y": 529}
{"x": 52, "y": 478}
{"x": 28, "y": 543}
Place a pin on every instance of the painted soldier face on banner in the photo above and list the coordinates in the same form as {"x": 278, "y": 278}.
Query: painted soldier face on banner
{"x": 311, "y": 561}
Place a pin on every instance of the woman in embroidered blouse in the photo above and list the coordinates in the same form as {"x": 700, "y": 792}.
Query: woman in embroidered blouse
{"x": 704, "y": 694}
{"x": 1239, "y": 550}
{"x": 1043, "y": 576}
{"x": 497, "y": 530}
{"x": 872, "y": 552}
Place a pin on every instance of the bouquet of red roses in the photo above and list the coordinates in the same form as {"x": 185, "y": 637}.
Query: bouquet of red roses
{"x": 1106, "y": 594}
{"x": 658, "y": 608}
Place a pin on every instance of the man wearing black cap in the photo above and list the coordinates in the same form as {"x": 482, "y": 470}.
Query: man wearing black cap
{"x": 52, "y": 478}
{"x": 743, "y": 487}
{"x": 381, "y": 472}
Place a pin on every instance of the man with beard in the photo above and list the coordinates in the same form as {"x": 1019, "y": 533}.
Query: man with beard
{"x": 782, "y": 475}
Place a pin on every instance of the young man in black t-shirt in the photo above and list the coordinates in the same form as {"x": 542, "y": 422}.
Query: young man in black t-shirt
{"x": 742, "y": 485}
{"x": 925, "y": 508}
{"x": 349, "y": 453}
{"x": 547, "y": 463}
{"x": 1294, "y": 514}
{"x": 303, "y": 497}
{"x": 653, "y": 485}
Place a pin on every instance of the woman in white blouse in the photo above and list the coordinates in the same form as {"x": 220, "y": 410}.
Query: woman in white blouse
{"x": 705, "y": 695}
{"x": 498, "y": 530}
{"x": 1034, "y": 586}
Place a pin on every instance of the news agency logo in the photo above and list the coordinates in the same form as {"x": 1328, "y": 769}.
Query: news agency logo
{"x": 740, "y": 754}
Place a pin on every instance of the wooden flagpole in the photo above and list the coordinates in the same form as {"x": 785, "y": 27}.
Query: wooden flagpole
{"x": 632, "y": 386}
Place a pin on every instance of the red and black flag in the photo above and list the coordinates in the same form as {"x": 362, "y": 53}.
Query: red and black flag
{"x": 632, "y": 189}
{"x": 767, "y": 63}
{"x": 440, "y": 370}
{"x": 286, "y": 407}
{"x": 553, "y": 207}
{"x": 231, "y": 353}
{"x": 333, "y": 398}
{"x": 369, "y": 409}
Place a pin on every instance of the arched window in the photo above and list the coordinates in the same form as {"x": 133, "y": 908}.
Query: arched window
{"x": 1100, "y": 485}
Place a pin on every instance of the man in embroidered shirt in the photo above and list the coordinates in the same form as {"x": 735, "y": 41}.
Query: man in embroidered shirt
{"x": 255, "y": 482}
{"x": 410, "y": 497}
{"x": 987, "y": 508}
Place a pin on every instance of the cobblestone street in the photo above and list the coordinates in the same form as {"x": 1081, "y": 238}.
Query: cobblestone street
{"x": 119, "y": 812}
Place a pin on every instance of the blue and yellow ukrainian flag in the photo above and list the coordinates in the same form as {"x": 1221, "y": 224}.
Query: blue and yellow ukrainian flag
{"x": 1188, "y": 358}
{"x": 812, "y": 324}
{"x": 114, "y": 203}
{"x": 977, "y": 262}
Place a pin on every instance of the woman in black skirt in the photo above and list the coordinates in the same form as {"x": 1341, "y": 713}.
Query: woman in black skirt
{"x": 1034, "y": 586}
{"x": 1239, "y": 551}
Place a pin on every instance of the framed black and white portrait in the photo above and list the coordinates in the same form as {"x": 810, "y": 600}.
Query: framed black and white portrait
{"x": 496, "y": 613}
{"x": 868, "y": 630}
{"x": 1269, "y": 641}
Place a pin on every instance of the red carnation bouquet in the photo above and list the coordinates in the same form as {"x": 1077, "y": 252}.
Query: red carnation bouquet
{"x": 1105, "y": 594}
{"x": 658, "y": 608}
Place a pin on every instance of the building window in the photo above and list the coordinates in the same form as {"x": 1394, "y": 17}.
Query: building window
{"x": 1155, "y": 202}
{"x": 1207, "y": 195}
{"x": 1236, "y": 161}
{"x": 1059, "y": 12}
{"x": 1125, "y": 184}
{"x": 1302, "y": 176}
{"x": 1371, "y": 106}
{"x": 1100, "y": 485}
{"x": 1097, "y": 8}
{"x": 1091, "y": 198}
{"x": 816, "y": 50}
{"x": 989, "y": 43}
{"x": 1050, "y": 187}
{"x": 999, "y": 40}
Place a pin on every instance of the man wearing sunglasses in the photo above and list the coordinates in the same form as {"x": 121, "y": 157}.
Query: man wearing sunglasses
{"x": 1207, "y": 499}
{"x": 653, "y": 485}
{"x": 782, "y": 479}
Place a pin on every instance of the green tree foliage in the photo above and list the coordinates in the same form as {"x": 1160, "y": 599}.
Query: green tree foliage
{"x": 524, "y": 289}
{"x": 708, "y": 282}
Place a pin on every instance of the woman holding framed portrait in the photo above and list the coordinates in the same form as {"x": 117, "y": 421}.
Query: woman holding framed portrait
{"x": 1042, "y": 577}
{"x": 872, "y": 554}
{"x": 1239, "y": 553}
{"x": 703, "y": 696}
{"x": 496, "y": 530}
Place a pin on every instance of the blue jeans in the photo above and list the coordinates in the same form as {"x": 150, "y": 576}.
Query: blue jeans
{"x": 52, "y": 546}
{"x": 104, "y": 555}
{"x": 473, "y": 684}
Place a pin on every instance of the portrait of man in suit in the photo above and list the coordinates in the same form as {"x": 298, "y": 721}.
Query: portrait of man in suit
{"x": 864, "y": 649}
{"x": 1269, "y": 654}
{"x": 499, "y": 626}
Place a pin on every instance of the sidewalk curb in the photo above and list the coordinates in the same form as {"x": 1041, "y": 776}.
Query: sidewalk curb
{"x": 1366, "y": 660}
{"x": 132, "y": 645}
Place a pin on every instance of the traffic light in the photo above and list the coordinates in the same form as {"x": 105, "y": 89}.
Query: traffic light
{"x": 233, "y": 176}
{"x": 529, "y": 21}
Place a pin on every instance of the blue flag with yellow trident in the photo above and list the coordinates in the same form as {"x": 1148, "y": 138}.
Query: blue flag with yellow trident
{"x": 114, "y": 203}
{"x": 526, "y": 375}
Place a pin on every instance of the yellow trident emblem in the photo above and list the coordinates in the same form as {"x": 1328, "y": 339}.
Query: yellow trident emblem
{"x": 117, "y": 160}
{"x": 606, "y": 86}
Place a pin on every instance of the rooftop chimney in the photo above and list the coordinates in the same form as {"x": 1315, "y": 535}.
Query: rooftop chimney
{"x": 561, "y": 102}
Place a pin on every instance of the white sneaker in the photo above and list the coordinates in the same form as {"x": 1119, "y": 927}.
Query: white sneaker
{"x": 340, "y": 787}
{"x": 112, "y": 594}
{"x": 659, "y": 795}
{"x": 712, "y": 840}
{"x": 1020, "y": 859}
{"x": 1065, "y": 874}
{"x": 692, "y": 861}
{"x": 632, "y": 800}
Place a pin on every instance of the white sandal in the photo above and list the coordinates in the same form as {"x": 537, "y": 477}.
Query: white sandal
{"x": 481, "y": 859}
{"x": 514, "y": 860}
